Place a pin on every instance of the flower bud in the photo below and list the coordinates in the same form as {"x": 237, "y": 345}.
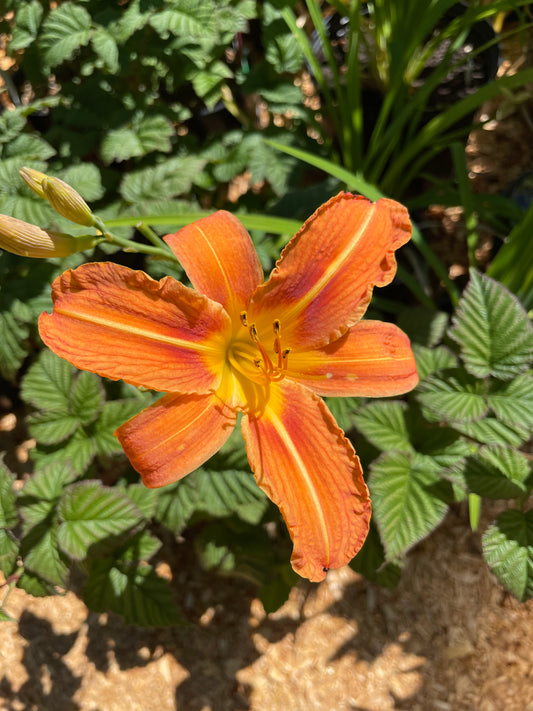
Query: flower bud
{"x": 62, "y": 196}
{"x": 28, "y": 240}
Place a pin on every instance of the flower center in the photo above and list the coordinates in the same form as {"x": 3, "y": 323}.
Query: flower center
{"x": 251, "y": 358}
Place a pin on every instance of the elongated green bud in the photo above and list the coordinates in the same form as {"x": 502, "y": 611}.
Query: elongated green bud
{"x": 27, "y": 240}
{"x": 62, "y": 196}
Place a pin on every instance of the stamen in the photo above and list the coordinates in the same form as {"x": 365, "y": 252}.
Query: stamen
{"x": 244, "y": 318}
{"x": 264, "y": 363}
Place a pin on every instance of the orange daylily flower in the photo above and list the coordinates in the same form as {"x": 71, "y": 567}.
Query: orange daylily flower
{"x": 269, "y": 350}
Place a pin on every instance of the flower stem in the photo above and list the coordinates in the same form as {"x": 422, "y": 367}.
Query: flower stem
{"x": 159, "y": 249}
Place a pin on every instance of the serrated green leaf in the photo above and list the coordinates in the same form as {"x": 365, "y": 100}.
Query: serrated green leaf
{"x": 120, "y": 144}
{"x": 13, "y": 341}
{"x": 145, "y": 499}
{"x": 86, "y": 397}
{"x": 431, "y": 360}
{"x": 186, "y": 18}
{"x": 141, "y": 546}
{"x": 493, "y": 330}
{"x": 9, "y": 551}
{"x": 169, "y": 179}
{"x": 154, "y": 133}
{"x": 34, "y": 585}
{"x": 27, "y": 26}
{"x": 77, "y": 453}
{"x": 42, "y": 556}
{"x": 105, "y": 47}
{"x": 139, "y": 595}
{"x": 222, "y": 493}
{"x": 52, "y": 427}
{"x": 27, "y": 148}
{"x": 8, "y": 509}
{"x": 490, "y": 430}
{"x": 408, "y": 501}
{"x": 497, "y": 472}
{"x": 65, "y": 30}
{"x": 508, "y": 549}
{"x": 114, "y": 414}
{"x": 384, "y": 425}
{"x": 11, "y": 124}
{"x": 47, "y": 383}
{"x": 86, "y": 179}
{"x": 90, "y": 513}
{"x": 41, "y": 493}
{"x": 512, "y": 402}
{"x": 453, "y": 395}
{"x": 176, "y": 504}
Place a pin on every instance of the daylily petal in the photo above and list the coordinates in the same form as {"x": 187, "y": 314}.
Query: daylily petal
{"x": 220, "y": 259}
{"x": 124, "y": 325}
{"x": 305, "y": 464}
{"x": 175, "y": 435}
{"x": 323, "y": 282}
{"x": 373, "y": 359}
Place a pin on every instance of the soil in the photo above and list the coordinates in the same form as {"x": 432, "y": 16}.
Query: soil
{"x": 449, "y": 638}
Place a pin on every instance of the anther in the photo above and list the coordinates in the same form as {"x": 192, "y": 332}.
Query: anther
{"x": 276, "y": 325}
{"x": 244, "y": 318}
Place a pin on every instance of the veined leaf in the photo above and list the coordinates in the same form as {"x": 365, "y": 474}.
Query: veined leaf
{"x": 27, "y": 25}
{"x": 86, "y": 397}
{"x": 344, "y": 410}
{"x": 145, "y": 499}
{"x": 105, "y": 47}
{"x": 91, "y": 512}
{"x": 497, "y": 472}
{"x": 140, "y": 547}
{"x": 34, "y": 585}
{"x": 9, "y": 552}
{"x": 222, "y": 493}
{"x": 512, "y": 401}
{"x": 114, "y": 414}
{"x": 169, "y": 179}
{"x": 176, "y": 504}
{"x": 139, "y": 595}
{"x": 508, "y": 549}
{"x": 408, "y": 501}
{"x": 384, "y": 425}
{"x": 27, "y": 148}
{"x": 47, "y": 383}
{"x": 52, "y": 427}
{"x": 8, "y": 509}
{"x": 14, "y": 332}
{"x": 77, "y": 453}
{"x": 41, "y": 493}
{"x": 186, "y": 18}
{"x": 491, "y": 430}
{"x": 42, "y": 556}
{"x": 453, "y": 395}
{"x": 493, "y": 330}
{"x": 66, "y": 29}
{"x": 431, "y": 360}
{"x": 86, "y": 179}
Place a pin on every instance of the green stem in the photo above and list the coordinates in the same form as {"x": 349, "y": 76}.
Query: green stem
{"x": 150, "y": 235}
{"x": 132, "y": 246}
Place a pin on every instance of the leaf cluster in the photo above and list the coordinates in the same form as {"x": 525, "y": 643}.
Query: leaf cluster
{"x": 459, "y": 435}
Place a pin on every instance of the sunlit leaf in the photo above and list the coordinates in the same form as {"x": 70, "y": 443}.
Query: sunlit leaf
{"x": 493, "y": 330}
{"x": 512, "y": 401}
{"x": 383, "y": 424}
{"x": 497, "y": 472}
{"x": 65, "y": 30}
{"x": 508, "y": 549}
{"x": 90, "y": 512}
{"x": 453, "y": 395}
{"x": 408, "y": 500}
{"x": 431, "y": 360}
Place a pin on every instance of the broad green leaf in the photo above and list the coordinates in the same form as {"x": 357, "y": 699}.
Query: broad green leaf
{"x": 8, "y": 509}
{"x": 145, "y": 499}
{"x": 512, "y": 401}
{"x": 497, "y": 472}
{"x": 28, "y": 148}
{"x": 141, "y": 546}
{"x": 27, "y": 26}
{"x": 139, "y": 595}
{"x": 11, "y": 124}
{"x": 86, "y": 397}
{"x": 431, "y": 360}
{"x": 493, "y": 330}
{"x": 65, "y": 30}
{"x": 175, "y": 505}
{"x": 52, "y": 427}
{"x": 34, "y": 585}
{"x": 114, "y": 414}
{"x": 86, "y": 179}
{"x": 42, "y": 556}
{"x": 90, "y": 513}
{"x": 154, "y": 133}
{"x": 186, "y": 18}
{"x": 41, "y": 493}
{"x": 383, "y": 424}
{"x": 9, "y": 551}
{"x": 453, "y": 395}
{"x": 47, "y": 383}
{"x": 14, "y": 333}
{"x": 77, "y": 453}
{"x": 120, "y": 144}
{"x": 222, "y": 493}
{"x": 491, "y": 430}
{"x": 408, "y": 501}
{"x": 508, "y": 549}
{"x": 105, "y": 47}
{"x": 167, "y": 180}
